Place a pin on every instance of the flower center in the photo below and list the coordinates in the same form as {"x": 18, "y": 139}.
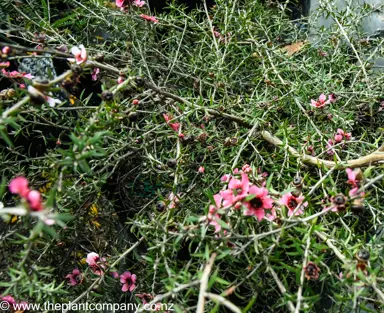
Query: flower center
{"x": 311, "y": 270}
{"x": 256, "y": 203}
{"x": 292, "y": 204}
{"x": 339, "y": 200}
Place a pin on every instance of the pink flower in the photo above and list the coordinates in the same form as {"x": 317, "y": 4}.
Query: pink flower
{"x": 149, "y": 18}
{"x": 212, "y": 213}
{"x": 138, "y": 3}
{"x": 120, "y": 79}
{"x": 354, "y": 192}
{"x": 330, "y": 150}
{"x": 34, "y": 200}
{"x": 19, "y": 185}
{"x": 237, "y": 190}
{"x": 259, "y": 203}
{"x": 225, "y": 178}
{"x": 246, "y": 168}
{"x": 75, "y": 277}
{"x": 174, "y": 126}
{"x": 16, "y": 74}
{"x": 145, "y": 297}
{"x": 201, "y": 169}
{"x": 352, "y": 177}
{"x": 291, "y": 202}
{"x": 339, "y": 135}
{"x": 95, "y": 73}
{"x": 271, "y": 215}
{"x": 6, "y": 50}
{"x": 114, "y": 274}
{"x": 321, "y": 102}
{"x": 338, "y": 203}
{"x": 128, "y": 280}
{"x": 332, "y": 98}
{"x": 174, "y": 200}
{"x": 9, "y": 299}
{"x": 4, "y": 64}
{"x": 80, "y": 54}
{"x": 120, "y": 3}
{"x": 216, "y": 33}
{"x": 348, "y": 136}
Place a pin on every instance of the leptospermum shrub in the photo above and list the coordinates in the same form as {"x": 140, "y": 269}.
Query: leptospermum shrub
{"x": 218, "y": 160}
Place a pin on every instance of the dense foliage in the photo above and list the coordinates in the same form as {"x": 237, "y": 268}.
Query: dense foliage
{"x": 199, "y": 159}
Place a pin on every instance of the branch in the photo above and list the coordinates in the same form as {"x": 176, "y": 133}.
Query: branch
{"x": 367, "y": 160}
{"x": 204, "y": 284}
{"x": 223, "y": 301}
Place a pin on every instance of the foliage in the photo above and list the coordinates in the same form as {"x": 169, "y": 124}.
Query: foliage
{"x": 122, "y": 175}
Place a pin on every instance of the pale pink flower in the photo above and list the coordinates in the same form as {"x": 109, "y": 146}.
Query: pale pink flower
{"x": 330, "y": 150}
{"x": 120, "y": 79}
{"x": 92, "y": 259}
{"x": 114, "y": 274}
{"x": 96, "y": 263}
{"x": 225, "y": 178}
{"x": 212, "y": 213}
{"x": 75, "y": 277}
{"x": 4, "y": 64}
{"x": 80, "y": 54}
{"x": 95, "y": 73}
{"x": 259, "y": 203}
{"x": 174, "y": 200}
{"x": 52, "y": 101}
{"x": 271, "y": 214}
{"x": 128, "y": 280}
{"x": 348, "y": 136}
{"x": 37, "y": 93}
{"x": 292, "y": 202}
{"x": 352, "y": 177}
{"x": 332, "y": 98}
{"x": 6, "y": 50}
{"x": 19, "y": 185}
{"x": 321, "y": 102}
{"x": 246, "y": 168}
{"x": 201, "y": 170}
{"x": 138, "y": 3}
{"x": 148, "y": 18}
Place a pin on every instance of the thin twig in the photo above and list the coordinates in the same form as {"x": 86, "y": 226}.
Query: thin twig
{"x": 223, "y": 301}
{"x": 204, "y": 284}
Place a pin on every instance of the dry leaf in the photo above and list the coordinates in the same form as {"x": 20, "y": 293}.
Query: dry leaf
{"x": 294, "y": 47}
